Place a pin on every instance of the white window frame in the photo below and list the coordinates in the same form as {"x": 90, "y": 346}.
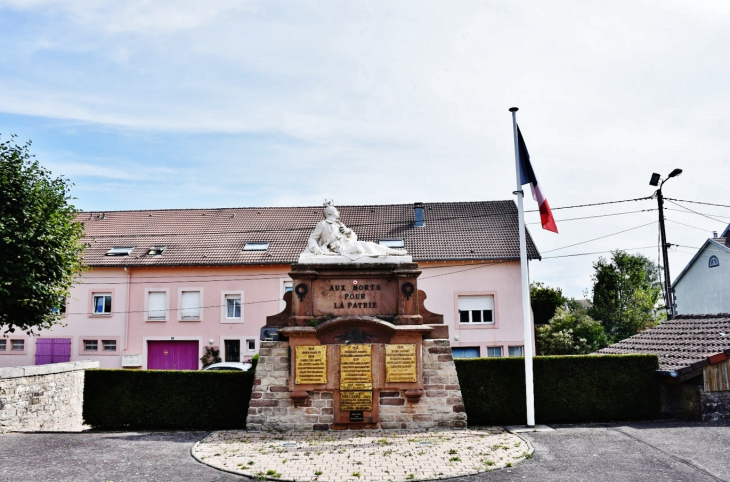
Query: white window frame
{"x": 22, "y": 346}
{"x": 120, "y": 251}
{"x": 3, "y": 345}
{"x": 104, "y": 348}
{"x": 248, "y": 345}
{"x": 256, "y": 246}
{"x": 224, "y": 307}
{"x": 489, "y": 298}
{"x": 147, "y": 292}
{"x": 104, "y": 294}
{"x": 95, "y": 341}
{"x": 201, "y": 303}
{"x": 501, "y": 352}
{"x": 394, "y": 243}
{"x": 521, "y": 347}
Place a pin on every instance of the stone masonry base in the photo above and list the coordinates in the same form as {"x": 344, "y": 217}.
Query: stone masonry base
{"x": 271, "y": 407}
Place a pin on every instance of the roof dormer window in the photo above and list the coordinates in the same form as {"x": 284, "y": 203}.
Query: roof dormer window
{"x": 391, "y": 243}
{"x": 120, "y": 251}
{"x": 156, "y": 250}
{"x": 256, "y": 246}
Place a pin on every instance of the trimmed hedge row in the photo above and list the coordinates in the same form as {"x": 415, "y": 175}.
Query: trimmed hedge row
{"x": 568, "y": 389}
{"x": 159, "y": 399}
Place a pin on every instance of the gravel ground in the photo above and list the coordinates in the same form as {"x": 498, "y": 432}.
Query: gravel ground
{"x": 672, "y": 451}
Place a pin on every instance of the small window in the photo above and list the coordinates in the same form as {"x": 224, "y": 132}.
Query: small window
{"x": 251, "y": 345}
{"x": 714, "y": 262}
{"x": 190, "y": 305}
{"x": 157, "y": 305}
{"x": 288, "y": 286}
{"x": 392, "y": 243}
{"x": 103, "y": 304}
{"x": 494, "y": 351}
{"x": 515, "y": 351}
{"x": 465, "y": 352}
{"x": 91, "y": 345}
{"x": 18, "y": 345}
{"x": 233, "y": 350}
{"x": 233, "y": 306}
{"x": 110, "y": 345}
{"x": 120, "y": 251}
{"x": 476, "y": 309}
{"x": 156, "y": 250}
{"x": 3, "y": 345}
{"x": 258, "y": 246}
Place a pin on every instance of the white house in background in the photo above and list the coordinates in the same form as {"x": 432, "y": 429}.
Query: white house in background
{"x": 703, "y": 287}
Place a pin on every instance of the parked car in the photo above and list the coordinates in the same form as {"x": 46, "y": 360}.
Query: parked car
{"x": 229, "y": 366}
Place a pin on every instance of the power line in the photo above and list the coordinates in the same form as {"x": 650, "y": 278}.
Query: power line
{"x": 595, "y": 252}
{"x": 600, "y": 237}
{"x": 697, "y": 202}
{"x": 689, "y": 226}
{"x": 692, "y": 211}
{"x": 600, "y": 216}
{"x": 593, "y": 204}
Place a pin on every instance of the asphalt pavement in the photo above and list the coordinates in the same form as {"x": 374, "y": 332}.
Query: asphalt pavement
{"x": 661, "y": 451}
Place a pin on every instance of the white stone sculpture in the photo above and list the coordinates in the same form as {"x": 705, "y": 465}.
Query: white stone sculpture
{"x": 333, "y": 242}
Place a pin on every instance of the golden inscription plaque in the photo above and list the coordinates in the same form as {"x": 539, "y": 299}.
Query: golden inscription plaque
{"x": 400, "y": 363}
{"x": 311, "y": 365}
{"x": 356, "y": 367}
{"x": 356, "y": 400}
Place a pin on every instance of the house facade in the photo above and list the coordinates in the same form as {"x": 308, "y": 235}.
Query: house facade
{"x": 703, "y": 287}
{"x": 166, "y": 284}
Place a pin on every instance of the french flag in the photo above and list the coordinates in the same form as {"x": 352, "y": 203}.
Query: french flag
{"x": 527, "y": 175}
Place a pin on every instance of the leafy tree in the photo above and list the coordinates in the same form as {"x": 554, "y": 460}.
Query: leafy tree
{"x": 545, "y": 301}
{"x": 626, "y": 291}
{"x": 40, "y": 247}
{"x": 571, "y": 333}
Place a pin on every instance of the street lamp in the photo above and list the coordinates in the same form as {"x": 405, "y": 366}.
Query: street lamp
{"x": 668, "y": 295}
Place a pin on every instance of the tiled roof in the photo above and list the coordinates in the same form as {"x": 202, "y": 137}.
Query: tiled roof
{"x": 680, "y": 343}
{"x": 452, "y": 231}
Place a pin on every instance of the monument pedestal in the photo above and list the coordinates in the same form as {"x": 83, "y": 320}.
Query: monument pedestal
{"x": 358, "y": 351}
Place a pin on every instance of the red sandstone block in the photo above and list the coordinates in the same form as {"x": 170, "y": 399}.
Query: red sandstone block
{"x": 257, "y": 381}
{"x": 440, "y": 349}
{"x": 452, "y": 387}
{"x": 279, "y": 389}
{"x": 437, "y": 393}
{"x": 454, "y": 401}
{"x": 256, "y": 395}
{"x": 459, "y": 424}
{"x": 326, "y": 395}
{"x": 312, "y": 411}
{"x": 321, "y": 426}
{"x": 459, "y": 408}
{"x": 264, "y": 403}
{"x": 422, "y": 417}
{"x": 434, "y": 387}
{"x": 328, "y": 411}
{"x": 443, "y": 358}
{"x": 390, "y": 401}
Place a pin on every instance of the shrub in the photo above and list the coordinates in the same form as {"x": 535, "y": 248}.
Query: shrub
{"x": 568, "y": 389}
{"x": 158, "y": 399}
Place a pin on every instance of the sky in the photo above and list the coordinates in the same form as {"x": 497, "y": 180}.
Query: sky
{"x": 177, "y": 104}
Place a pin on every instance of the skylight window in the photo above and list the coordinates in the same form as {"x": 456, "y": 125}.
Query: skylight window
{"x": 120, "y": 251}
{"x": 391, "y": 243}
{"x": 156, "y": 250}
{"x": 258, "y": 246}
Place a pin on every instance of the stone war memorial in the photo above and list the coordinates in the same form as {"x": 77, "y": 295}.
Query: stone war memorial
{"x": 355, "y": 348}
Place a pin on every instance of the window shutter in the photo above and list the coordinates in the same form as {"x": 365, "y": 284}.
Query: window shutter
{"x": 190, "y": 305}
{"x": 468, "y": 303}
{"x": 156, "y": 305}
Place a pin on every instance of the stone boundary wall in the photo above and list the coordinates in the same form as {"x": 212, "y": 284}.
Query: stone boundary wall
{"x": 272, "y": 408}
{"x": 43, "y": 397}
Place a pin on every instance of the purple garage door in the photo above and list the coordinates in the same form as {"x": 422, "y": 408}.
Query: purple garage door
{"x": 172, "y": 355}
{"x": 52, "y": 350}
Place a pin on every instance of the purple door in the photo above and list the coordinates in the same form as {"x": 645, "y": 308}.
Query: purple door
{"x": 52, "y": 350}
{"x": 172, "y": 355}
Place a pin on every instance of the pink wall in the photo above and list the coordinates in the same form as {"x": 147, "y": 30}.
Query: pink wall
{"x": 261, "y": 289}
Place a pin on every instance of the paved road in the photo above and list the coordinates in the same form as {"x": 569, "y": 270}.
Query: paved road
{"x": 672, "y": 451}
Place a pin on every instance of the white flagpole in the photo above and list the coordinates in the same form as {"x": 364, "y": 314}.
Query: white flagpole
{"x": 527, "y": 324}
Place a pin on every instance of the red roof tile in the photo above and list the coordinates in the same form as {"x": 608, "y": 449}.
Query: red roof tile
{"x": 452, "y": 231}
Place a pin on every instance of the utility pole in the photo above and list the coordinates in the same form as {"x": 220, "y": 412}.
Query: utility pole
{"x": 668, "y": 294}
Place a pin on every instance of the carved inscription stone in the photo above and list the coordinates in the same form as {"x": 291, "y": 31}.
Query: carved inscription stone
{"x": 356, "y": 368}
{"x": 400, "y": 363}
{"x": 355, "y": 297}
{"x": 311, "y": 365}
{"x": 356, "y": 400}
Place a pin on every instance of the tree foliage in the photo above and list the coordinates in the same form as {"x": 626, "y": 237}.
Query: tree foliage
{"x": 40, "y": 244}
{"x": 545, "y": 301}
{"x": 571, "y": 333}
{"x": 626, "y": 291}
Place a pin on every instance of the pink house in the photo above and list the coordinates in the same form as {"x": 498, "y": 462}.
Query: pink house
{"x": 165, "y": 284}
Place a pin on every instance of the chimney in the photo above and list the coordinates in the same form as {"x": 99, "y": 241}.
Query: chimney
{"x": 420, "y": 222}
{"x": 714, "y": 234}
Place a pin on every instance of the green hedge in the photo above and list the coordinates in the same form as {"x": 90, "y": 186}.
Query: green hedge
{"x": 157, "y": 399}
{"x": 568, "y": 389}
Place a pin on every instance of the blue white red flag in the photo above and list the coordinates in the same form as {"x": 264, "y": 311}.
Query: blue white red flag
{"x": 527, "y": 176}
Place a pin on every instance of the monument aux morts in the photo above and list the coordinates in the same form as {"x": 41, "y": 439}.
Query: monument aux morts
{"x": 355, "y": 346}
